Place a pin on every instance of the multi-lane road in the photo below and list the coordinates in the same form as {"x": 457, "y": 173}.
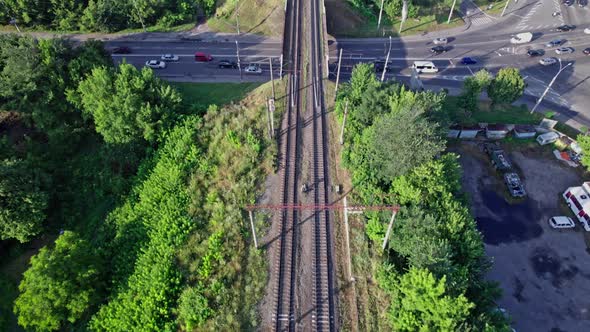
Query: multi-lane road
{"x": 485, "y": 40}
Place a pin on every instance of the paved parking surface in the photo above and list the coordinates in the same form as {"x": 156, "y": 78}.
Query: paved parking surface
{"x": 544, "y": 273}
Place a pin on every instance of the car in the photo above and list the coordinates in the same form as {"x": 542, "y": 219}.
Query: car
{"x": 586, "y": 51}
{"x": 468, "y": 61}
{"x": 497, "y": 156}
{"x": 439, "y": 49}
{"x": 561, "y": 222}
{"x": 203, "y": 57}
{"x": 227, "y": 64}
{"x": 582, "y": 3}
{"x": 155, "y": 64}
{"x": 587, "y": 31}
{"x": 534, "y": 53}
{"x": 548, "y": 61}
{"x": 121, "y": 50}
{"x": 564, "y": 50}
{"x": 440, "y": 41}
{"x": 565, "y": 28}
{"x": 556, "y": 42}
{"x": 568, "y": 2}
{"x": 253, "y": 68}
{"x": 514, "y": 185}
{"x": 169, "y": 57}
{"x": 379, "y": 65}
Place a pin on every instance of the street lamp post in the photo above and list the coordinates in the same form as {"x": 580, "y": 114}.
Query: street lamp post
{"x": 386, "y": 61}
{"x": 561, "y": 68}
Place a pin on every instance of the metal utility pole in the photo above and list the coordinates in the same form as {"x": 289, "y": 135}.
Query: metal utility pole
{"x": 281, "y": 66}
{"x": 347, "y": 238}
{"x": 550, "y": 84}
{"x": 386, "y": 61}
{"x": 404, "y": 15}
{"x": 451, "y": 12}
{"x": 253, "y": 230}
{"x": 238, "y": 56}
{"x": 380, "y": 13}
{"x": 505, "y": 6}
{"x": 343, "y": 123}
{"x": 272, "y": 101}
{"x": 389, "y": 230}
{"x": 338, "y": 74}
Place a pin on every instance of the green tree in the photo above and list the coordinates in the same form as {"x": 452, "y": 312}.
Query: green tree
{"x": 128, "y": 104}
{"x": 507, "y": 86}
{"x": 584, "y": 143}
{"x": 472, "y": 88}
{"x": 22, "y": 200}
{"x": 61, "y": 284}
{"x": 396, "y": 143}
{"x": 421, "y": 303}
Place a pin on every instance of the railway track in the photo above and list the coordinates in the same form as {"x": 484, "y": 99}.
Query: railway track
{"x": 284, "y": 316}
{"x": 323, "y": 316}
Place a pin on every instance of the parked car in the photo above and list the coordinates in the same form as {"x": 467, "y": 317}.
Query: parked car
{"x": 440, "y": 41}
{"x": 439, "y": 49}
{"x": 155, "y": 64}
{"x": 561, "y": 222}
{"x": 548, "y": 61}
{"x": 203, "y": 57}
{"x": 227, "y": 64}
{"x": 534, "y": 53}
{"x": 565, "y": 28}
{"x": 586, "y": 51}
{"x": 468, "y": 61}
{"x": 515, "y": 187}
{"x": 169, "y": 57}
{"x": 587, "y": 31}
{"x": 498, "y": 157}
{"x": 564, "y": 50}
{"x": 253, "y": 68}
{"x": 121, "y": 50}
{"x": 568, "y": 2}
{"x": 555, "y": 42}
{"x": 582, "y": 3}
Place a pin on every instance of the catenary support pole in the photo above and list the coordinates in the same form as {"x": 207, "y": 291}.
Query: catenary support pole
{"x": 272, "y": 78}
{"x": 253, "y": 230}
{"x": 347, "y": 238}
{"x": 389, "y": 229}
{"x": 338, "y": 74}
{"x": 343, "y": 123}
{"x": 380, "y": 14}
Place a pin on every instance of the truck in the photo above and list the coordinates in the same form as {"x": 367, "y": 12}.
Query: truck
{"x": 515, "y": 187}
{"x": 498, "y": 156}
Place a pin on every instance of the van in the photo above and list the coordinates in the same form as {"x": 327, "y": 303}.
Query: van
{"x": 561, "y": 222}
{"x": 424, "y": 67}
{"x": 203, "y": 57}
{"x": 547, "y": 138}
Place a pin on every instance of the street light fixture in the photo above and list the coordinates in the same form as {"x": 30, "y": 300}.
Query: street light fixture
{"x": 386, "y": 61}
{"x": 561, "y": 68}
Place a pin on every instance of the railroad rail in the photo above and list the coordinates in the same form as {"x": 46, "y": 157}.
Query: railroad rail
{"x": 284, "y": 315}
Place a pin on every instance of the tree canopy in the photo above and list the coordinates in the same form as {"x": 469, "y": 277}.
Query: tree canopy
{"x": 507, "y": 86}
{"x": 128, "y": 104}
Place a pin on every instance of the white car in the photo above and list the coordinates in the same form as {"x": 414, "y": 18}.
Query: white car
{"x": 548, "y": 61}
{"x": 169, "y": 57}
{"x": 564, "y": 50}
{"x": 587, "y": 31}
{"x": 253, "y": 69}
{"x": 155, "y": 64}
{"x": 561, "y": 222}
{"x": 440, "y": 41}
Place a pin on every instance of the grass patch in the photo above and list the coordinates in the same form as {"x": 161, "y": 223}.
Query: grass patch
{"x": 507, "y": 114}
{"x": 254, "y": 16}
{"x": 205, "y": 94}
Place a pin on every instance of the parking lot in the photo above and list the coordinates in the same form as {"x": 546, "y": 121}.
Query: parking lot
{"x": 544, "y": 273}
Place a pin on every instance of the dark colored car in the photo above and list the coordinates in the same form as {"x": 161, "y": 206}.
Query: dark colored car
{"x": 556, "y": 42}
{"x": 468, "y": 61}
{"x": 565, "y": 28}
{"x": 227, "y": 64}
{"x": 121, "y": 50}
{"x": 379, "y": 65}
{"x": 568, "y": 2}
{"x": 534, "y": 53}
{"x": 586, "y": 51}
{"x": 439, "y": 49}
{"x": 582, "y": 3}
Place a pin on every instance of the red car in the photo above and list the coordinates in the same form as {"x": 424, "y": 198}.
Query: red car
{"x": 203, "y": 57}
